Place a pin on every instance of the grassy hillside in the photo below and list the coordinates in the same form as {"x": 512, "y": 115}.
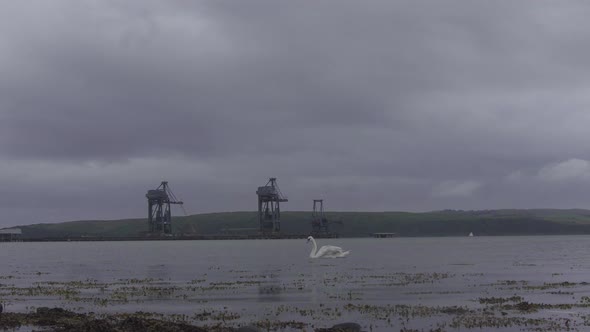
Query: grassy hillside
{"x": 355, "y": 224}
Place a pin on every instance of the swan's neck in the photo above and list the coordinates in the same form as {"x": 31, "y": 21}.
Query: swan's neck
{"x": 313, "y": 249}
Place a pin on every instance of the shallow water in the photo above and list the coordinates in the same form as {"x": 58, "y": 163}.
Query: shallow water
{"x": 385, "y": 284}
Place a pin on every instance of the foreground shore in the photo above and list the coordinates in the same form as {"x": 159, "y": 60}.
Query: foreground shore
{"x": 61, "y": 320}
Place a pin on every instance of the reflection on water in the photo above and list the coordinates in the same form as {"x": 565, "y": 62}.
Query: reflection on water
{"x": 157, "y": 272}
{"x": 270, "y": 292}
{"x": 270, "y": 285}
{"x": 241, "y": 281}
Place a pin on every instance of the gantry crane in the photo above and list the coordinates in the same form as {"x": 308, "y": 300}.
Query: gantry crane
{"x": 320, "y": 225}
{"x": 269, "y": 210}
{"x": 159, "y": 212}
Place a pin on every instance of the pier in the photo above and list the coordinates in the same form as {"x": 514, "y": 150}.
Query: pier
{"x": 384, "y": 235}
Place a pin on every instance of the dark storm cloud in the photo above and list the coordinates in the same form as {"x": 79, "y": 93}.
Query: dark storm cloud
{"x": 377, "y": 105}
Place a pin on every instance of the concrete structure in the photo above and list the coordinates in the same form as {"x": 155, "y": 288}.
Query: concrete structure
{"x": 10, "y": 234}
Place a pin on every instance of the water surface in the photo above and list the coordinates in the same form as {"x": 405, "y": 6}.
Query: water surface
{"x": 385, "y": 284}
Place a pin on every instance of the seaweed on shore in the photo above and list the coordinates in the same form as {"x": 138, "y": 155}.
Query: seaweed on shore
{"x": 61, "y": 320}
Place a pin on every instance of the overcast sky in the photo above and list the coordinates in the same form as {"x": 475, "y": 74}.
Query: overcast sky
{"x": 370, "y": 105}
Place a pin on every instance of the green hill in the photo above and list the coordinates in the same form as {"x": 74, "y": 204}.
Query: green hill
{"x": 354, "y": 224}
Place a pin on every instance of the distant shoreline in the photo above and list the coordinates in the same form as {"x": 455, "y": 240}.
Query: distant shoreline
{"x": 255, "y": 237}
{"x": 215, "y": 226}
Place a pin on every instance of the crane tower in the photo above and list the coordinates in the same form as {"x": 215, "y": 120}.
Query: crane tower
{"x": 320, "y": 225}
{"x": 319, "y": 222}
{"x": 159, "y": 212}
{"x": 269, "y": 211}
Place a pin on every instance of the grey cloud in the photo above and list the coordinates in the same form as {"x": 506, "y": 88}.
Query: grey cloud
{"x": 375, "y": 106}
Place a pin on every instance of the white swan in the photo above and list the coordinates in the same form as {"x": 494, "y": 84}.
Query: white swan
{"x": 326, "y": 251}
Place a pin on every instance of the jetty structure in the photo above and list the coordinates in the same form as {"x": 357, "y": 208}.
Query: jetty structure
{"x": 159, "y": 211}
{"x": 10, "y": 234}
{"x": 270, "y": 198}
{"x": 383, "y": 235}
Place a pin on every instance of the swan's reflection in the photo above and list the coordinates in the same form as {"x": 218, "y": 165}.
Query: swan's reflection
{"x": 271, "y": 290}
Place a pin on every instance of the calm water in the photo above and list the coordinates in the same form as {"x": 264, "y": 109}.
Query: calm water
{"x": 239, "y": 282}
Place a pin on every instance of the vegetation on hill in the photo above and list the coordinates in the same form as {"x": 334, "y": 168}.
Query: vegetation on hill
{"x": 354, "y": 224}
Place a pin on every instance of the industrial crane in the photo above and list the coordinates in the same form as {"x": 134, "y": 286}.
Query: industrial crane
{"x": 159, "y": 212}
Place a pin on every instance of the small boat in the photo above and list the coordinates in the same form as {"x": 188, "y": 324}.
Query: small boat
{"x": 471, "y": 234}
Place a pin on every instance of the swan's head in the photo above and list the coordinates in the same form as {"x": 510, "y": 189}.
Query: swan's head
{"x": 309, "y": 238}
